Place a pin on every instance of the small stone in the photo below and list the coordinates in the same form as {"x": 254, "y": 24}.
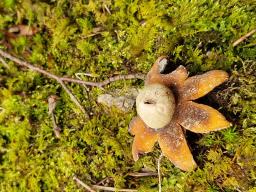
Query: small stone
{"x": 122, "y": 100}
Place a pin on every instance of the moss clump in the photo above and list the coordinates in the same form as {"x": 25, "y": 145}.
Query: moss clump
{"x": 119, "y": 37}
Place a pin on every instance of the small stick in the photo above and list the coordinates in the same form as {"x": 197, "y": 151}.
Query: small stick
{"x": 73, "y": 98}
{"x": 103, "y": 180}
{"x": 106, "y": 7}
{"x": 85, "y": 74}
{"x": 83, "y": 184}
{"x": 82, "y": 82}
{"x": 52, "y": 102}
{"x": 61, "y": 80}
{"x": 113, "y": 189}
{"x": 241, "y": 39}
{"x": 46, "y": 73}
{"x": 142, "y": 174}
{"x": 78, "y": 77}
{"x": 101, "y": 187}
{"x": 159, "y": 172}
{"x": 4, "y": 63}
{"x": 105, "y": 82}
{"x": 54, "y": 121}
{"x": 72, "y": 80}
{"x": 56, "y": 128}
{"x": 91, "y": 35}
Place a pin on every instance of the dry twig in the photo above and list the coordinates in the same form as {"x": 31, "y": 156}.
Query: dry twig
{"x": 91, "y": 35}
{"x": 159, "y": 172}
{"x": 113, "y": 189}
{"x": 104, "y": 181}
{"x": 105, "y": 82}
{"x": 106, "y": 7}
{"x": 241, "y": 39}
{"x": 56, "y": 128}
{"x": 87, "y": 187}
{"x": 72, "y": 80}
{"x": 37, "y": 69}
{"x": 4, "y": 63}
{"x": 52, "y": 102}
{"x": 146, "y": 174}
{"x": 98, "y": 187}
{"x": 85, "y": 74}
{"x": 61, "y": 80}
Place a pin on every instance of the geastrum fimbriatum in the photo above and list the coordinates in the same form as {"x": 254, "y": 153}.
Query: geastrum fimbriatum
{"x": 166, "y": 109}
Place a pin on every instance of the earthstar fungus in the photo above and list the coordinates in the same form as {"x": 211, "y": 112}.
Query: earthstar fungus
{"x": 165, "y": 110}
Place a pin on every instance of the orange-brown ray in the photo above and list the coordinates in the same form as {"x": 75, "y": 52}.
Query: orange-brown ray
{"x": 200, "y": 118}
{"x": 175, "y": 78}
{"x": 144, "y": 139}
{"x": 136, "y": 125}
{"x": 174, "y": 146}
{"x": 199, "y": 85}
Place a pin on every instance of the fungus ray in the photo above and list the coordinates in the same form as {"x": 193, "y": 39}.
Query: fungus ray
{"x": 199, "y": 85}
{"x": 200, "y": 118}
{"x": 174, "y": 146}
{"x": 144, "y": 139}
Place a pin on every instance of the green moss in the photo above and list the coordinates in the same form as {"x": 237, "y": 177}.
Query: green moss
{"x": 120, "y": 37}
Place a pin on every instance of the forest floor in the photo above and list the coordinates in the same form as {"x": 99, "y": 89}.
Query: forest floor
{"x": 74, "y": 38}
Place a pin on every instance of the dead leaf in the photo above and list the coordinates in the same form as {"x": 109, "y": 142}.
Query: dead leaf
{"x": 23, "y": 30}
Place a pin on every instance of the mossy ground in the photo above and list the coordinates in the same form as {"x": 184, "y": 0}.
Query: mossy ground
{"x": 127, "y": 37}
